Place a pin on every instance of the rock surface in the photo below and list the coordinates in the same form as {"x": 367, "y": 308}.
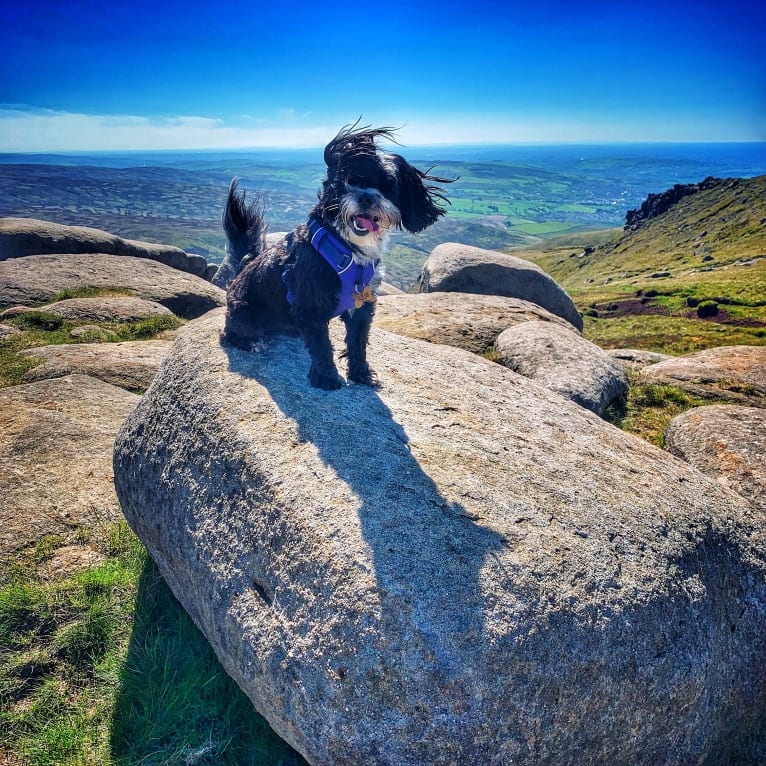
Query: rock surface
{"x": 564, "y": 362}
{"x": 131, "y": 364}
{"x": 727, "y": 443}
{"x": 122, "y": 308}
{"x": 464, "y": 320}
{"x": 736, "y": 372}
{"x": 459, "y": 568}
{"x": 36, "y": 279}
{"x": 55, "y": 457}
{"x": 636, "y": 357}
{"x": 20, "y": 237}
{"x": 466, "y": 269}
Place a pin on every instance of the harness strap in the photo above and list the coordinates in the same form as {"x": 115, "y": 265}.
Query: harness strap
{"x": 354, "y": 278}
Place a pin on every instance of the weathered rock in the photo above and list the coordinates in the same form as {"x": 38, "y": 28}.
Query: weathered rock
{"x": 465, "y": 320}
{"x": 465, "y": 269}
{"x": 20, "y": 237}
{"x": 93, "y": 333}
{"x": 56, "y": 440}
{"x": 37, "y": 279}
{"x": 131, "y": 364}
{"x": 458, "y": 568}
{"x": 736, "y": 372}
{"x": 632, "y": 358}
{"x": 564, "y": 362}
{"x": 121, "y": 308}
{"x": 727, "y": 442}
{"x": 6, "y": 331}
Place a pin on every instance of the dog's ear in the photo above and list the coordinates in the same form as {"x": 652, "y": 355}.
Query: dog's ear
{"x": 418, "y": 200}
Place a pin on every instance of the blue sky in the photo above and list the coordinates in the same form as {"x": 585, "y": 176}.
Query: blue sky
{"x": 86, "y": 75}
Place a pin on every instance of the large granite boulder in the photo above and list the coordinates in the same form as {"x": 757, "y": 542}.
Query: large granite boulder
{"x": 465, "y": 320}
{"x": 458, "y": 568}
{"x": 565, "y": 362}
{"x": 727, "y": 442}
{"x": 466, "y": 269}
{"x": 37, "y": 279}
{"x": 733, "y": 372}
{"x": 55, "y": 458}
{"x": 20, "y": 237}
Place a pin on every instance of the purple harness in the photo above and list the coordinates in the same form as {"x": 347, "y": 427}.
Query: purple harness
{"x": 353, "y": 277}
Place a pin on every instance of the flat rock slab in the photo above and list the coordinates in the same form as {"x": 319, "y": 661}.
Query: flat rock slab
{"x": 458, "y": 568}
{"x": 633, "y": 358}
{"x": 736, "y": 372}
{"x": 464, "y": 320}
{"x": 131, "y": 364}
{"x": 7, "y": 330}
{"x": 20, "y": 237}
{"x": 107, "y": 309}
{"x": 563, "y": 361}
{"x": 727, "y": 442}
{"x": 465, "y": 269}
{"x": 36, "y": 279}
{"x": 56, "y": 440}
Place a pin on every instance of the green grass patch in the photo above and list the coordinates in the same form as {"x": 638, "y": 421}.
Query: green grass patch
{"x": 104, "y": 668}
{"x": 43, "y": 328}
{"x": 89, "y": 292}
{"x": 649, "y": 408}
{"x": 674, "y": 335}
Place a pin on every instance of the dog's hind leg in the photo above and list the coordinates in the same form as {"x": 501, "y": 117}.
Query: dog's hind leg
{"x": 358, "y": 324}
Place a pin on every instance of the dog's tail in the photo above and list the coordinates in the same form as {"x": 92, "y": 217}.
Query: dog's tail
{"x": 245, "y": 229}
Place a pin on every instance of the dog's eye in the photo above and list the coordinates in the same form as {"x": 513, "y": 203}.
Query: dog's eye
{"x": 353, "y": 181}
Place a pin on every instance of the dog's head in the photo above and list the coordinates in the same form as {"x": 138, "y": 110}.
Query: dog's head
{"x": 367, "y": 191}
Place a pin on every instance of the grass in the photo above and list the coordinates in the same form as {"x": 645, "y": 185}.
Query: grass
{"x": 105, "y": 668}
{"x": 43, "y": 328}
{"x": 649, "y": 408}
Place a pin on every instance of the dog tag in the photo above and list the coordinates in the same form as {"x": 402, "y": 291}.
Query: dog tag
{"x": 366, "y": 296}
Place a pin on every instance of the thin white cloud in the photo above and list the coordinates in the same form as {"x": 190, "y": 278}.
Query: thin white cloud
{"x": 36, "y": 130}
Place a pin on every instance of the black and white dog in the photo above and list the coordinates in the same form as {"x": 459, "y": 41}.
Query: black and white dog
{"x": 327, "y": 266}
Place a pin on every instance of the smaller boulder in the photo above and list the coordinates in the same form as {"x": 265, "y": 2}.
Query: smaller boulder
{"x": 726, "y": 442}
{"x": 565, "y": 362}
{"x": 131, "y": 365}
{"x": 464, "y": 269}
{"x": 464, "y": 320}
{"x": 731, "y": 372}
{"x": 107, "y": 309}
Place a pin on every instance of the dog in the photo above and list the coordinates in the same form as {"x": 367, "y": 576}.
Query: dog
{"x": 329, "y": 266}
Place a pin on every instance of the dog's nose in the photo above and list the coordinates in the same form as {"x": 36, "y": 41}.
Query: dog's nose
{"x": 366, "y": 199}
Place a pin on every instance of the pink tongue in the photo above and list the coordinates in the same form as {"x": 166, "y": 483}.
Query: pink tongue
{"x": 368, "y": 223}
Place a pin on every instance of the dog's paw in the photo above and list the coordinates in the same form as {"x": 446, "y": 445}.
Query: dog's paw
{"x": 365, "y": 376}
{"x": 326, "y": 381}
{"x": 258, "y": 346}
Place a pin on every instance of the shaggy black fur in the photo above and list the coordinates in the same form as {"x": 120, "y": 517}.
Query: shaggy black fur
{"x": 363, "y": 185}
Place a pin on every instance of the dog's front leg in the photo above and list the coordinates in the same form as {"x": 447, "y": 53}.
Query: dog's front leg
{"x": 358, "y": 324}
{"x": 322, "y": 373}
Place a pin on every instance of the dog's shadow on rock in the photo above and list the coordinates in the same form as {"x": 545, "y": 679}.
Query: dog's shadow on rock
{"x": 426, "y": 551}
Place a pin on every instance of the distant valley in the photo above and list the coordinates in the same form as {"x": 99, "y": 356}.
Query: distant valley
{"x": 505, "y": 197}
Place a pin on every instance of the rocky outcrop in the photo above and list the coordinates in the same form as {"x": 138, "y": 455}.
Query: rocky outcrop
{"x": 55, "y": 457}
{"x": 459, "y": 568}
{"x": 563, "y": 361}
{"x": 465, "y": 269}
{"x": 21, "y": 237}
{"x": 464, "y": 320}
{"x": 733, "y": 372}
{"x": 37, "y": 279}
{"x": 727, "y": 443}
{"x": 657, "y": 204}
{"x": 131, "y": 364}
